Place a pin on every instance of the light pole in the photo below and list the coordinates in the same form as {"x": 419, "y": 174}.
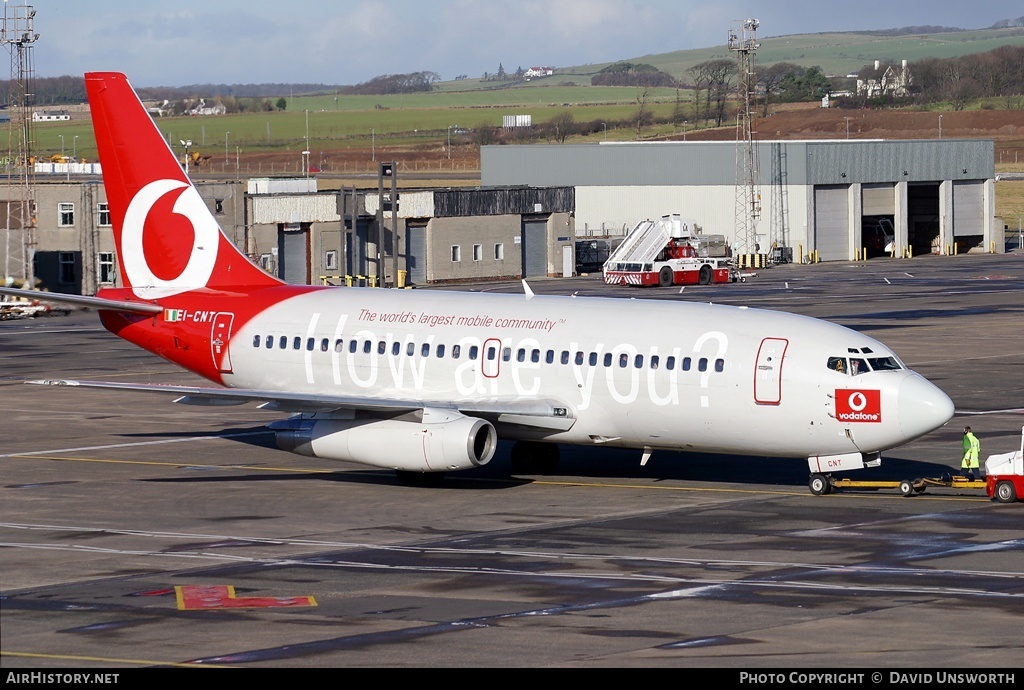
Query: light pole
{"x": 61, "y": 144}
{"x": 940, "y": 125}
{"x": 186, "y": 143}
{"x": 847, "y": 127}
{"x": 74, "y": 148}
{"x": 226, "y": 149}
{"x": 605, "y": 125}
{"x": 449, "y": 142}
{"x": 373, "y": 145}
{"x": 684, "y": 130}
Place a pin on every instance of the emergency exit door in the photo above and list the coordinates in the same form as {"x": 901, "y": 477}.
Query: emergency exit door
{"x": 220, "y": 339}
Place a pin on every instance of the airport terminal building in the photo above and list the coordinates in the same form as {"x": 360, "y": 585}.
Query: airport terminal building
{"x": 816, "y": 200}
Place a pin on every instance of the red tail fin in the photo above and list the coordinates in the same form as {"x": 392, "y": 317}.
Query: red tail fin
{"x": 167, "y": 240}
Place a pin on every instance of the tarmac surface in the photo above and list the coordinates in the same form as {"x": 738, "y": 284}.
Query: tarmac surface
{"x": 138, "y": 533}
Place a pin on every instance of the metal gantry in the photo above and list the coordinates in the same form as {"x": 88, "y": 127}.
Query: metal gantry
{"x": 742, "y": 41}
{"x": 19, "y": 221}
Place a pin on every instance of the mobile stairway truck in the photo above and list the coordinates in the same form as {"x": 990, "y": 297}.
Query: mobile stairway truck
{"x": 669, "y": 252}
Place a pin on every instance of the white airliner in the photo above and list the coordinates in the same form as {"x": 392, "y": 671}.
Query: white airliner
{"x": 425, "y": 382}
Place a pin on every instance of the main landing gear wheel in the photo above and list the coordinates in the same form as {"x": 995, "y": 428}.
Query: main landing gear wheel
{"x": 665, "y": 276}
{"x": 531, "y": 457}
{"x": 820, "y": 484}
{"x": 1005, "y": 492}
{"x": 907, "y": 487}
{"x": 705, "y": 275}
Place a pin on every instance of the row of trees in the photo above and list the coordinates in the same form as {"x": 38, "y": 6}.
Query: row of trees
{"x": 630, "y": 74}
{"x": 998, "y": 73}
{"x": 414, "y": 82}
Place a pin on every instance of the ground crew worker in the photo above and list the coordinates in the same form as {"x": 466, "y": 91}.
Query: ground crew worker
{"x": 972, "y": 449}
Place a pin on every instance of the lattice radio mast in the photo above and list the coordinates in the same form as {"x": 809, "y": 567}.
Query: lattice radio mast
{"x": 19, "y": 222}
{"x": 742, "y": 40}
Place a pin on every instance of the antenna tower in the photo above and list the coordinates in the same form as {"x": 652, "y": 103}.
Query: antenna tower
{"x": 742, "y": 40}
{"x": 19, "y": 220}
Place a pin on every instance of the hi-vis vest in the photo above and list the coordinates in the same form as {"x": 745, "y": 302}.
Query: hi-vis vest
{"x": 972, "y": 449}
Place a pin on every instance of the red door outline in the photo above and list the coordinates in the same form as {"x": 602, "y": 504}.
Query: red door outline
{"x": 220, "y": 339}
{"x": 490, "y": 366}
{"x": 768, "y": 371}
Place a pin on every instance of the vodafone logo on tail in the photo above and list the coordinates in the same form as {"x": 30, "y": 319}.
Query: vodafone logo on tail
{"x": 202, "y": 258}
{"x": 859, "y": 406}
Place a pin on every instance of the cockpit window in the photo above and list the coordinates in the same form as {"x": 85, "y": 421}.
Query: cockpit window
{"x": 884, "y": 363}
{"x": 854, "y": 366}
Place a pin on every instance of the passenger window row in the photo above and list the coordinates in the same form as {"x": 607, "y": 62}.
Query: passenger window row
{"x": 490, "y": 353}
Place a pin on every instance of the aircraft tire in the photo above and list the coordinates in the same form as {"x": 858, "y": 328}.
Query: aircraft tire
{"x": 1005, "y": 492}
{"x": 819, "y": 484}
{"x": 665, "y": 276}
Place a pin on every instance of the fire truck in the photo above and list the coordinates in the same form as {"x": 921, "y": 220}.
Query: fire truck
{"x": 669, "y": 251}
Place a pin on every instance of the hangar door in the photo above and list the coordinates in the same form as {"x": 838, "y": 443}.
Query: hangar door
{"x": 832, "y": 222}
{"x": 416, "y": 260}
{"x": 535, "y": 247}
{"x": 356, "y": 251}
{"x": 293, "y": 253}
{"x": 878, "y": 200}
{"x": 968, "y": 208}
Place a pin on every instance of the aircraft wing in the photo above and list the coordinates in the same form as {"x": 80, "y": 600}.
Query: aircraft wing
{"x": 530, "y": 412}
{"x": 84, "y": 301}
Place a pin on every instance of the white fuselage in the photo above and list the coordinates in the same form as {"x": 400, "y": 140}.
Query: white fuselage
{"x": 632, "y": 372}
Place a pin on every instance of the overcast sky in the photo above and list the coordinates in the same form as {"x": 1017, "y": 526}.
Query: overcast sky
{"x": 180, "y": 42}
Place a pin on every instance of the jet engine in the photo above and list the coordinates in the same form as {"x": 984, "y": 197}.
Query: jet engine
{"x": 442, "y": 441}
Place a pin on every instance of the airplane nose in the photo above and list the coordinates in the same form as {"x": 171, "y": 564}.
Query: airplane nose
{"x": 922, "y": 407}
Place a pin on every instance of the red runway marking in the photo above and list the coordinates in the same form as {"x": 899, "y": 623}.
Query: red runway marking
{"x": 198, "y": 597}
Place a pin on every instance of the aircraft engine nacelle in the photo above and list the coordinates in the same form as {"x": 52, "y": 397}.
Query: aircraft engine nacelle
{"x": 443, "y": 441}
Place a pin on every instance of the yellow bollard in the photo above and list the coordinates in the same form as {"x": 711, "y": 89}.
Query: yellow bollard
{"x": 401, "y": 277}
{"x": 348, "y": 281}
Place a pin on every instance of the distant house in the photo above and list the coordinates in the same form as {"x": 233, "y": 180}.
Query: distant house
{"x": 160, "y": 110}
{"x": 50, "y": 115}
{"x": 884, "y": 80}
{"x": 203, "y": 109}
{"x": 539, "y": 72}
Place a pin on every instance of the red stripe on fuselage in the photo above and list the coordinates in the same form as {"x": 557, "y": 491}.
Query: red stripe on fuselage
{"x": 187, "y": 341}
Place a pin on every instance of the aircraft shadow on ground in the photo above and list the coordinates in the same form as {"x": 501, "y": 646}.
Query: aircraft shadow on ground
{"x": 577, "y": 462}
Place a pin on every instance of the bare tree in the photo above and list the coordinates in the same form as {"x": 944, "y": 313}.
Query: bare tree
{"x": 700, "y": 83}
{"x": 643, "y": 116}
{"x": 563, "y": 124}
{"x": 720, "y": 73}
{"x": 678, "y": 112}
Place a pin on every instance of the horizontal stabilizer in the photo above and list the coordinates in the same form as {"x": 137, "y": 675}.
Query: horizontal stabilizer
{"x": 84, "y": 301}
